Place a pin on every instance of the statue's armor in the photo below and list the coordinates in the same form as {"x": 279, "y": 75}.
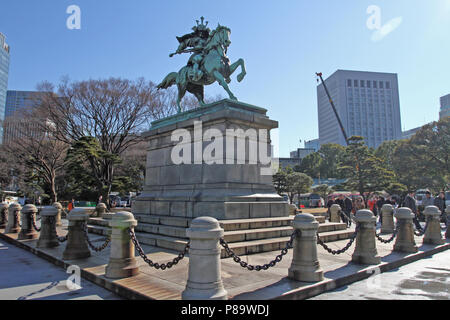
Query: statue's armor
{"x": 197, "y": 41}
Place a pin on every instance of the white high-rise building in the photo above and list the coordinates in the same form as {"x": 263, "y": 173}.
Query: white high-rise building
{"x": 367, "y": 103}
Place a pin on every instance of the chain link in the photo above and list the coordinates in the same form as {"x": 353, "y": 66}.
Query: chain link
{"x": 4, "y": 216}
{"x": 161, "y": 266}
{"x": 391, "y": 238}
{"x": 91, "y": 245}
{"x": 335, "y": 252}
{"x": 266, "y": 266}
{"x": 33, "y": 222}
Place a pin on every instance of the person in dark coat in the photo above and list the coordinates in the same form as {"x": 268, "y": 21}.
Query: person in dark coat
{"x": 439, "y": 202}
{"x": 410, "y": 202}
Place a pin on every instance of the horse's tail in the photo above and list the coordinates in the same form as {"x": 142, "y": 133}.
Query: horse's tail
{"x": 168, "y": 81}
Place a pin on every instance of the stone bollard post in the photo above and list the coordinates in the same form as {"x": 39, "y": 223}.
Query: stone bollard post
{"x": 122, "y": 262}
{"x": 100, "y": 210}
{"x": 366, "y": 250}
{"x": 387, "y": 220}
{"x": 447, "y": 212}
{"x": 59, "y": 209}
{"x": 48, "y": 237}
{"x": 433, "y": 233}
{"x": 204, "y": 280}
{"x": 3, "y": 215}
{"x": 77, "y": 246}
{"x": 305, "y": 264}
{"x": 13, "y": 225}
{"x": 405, "y": 237}
{"x": 28, "y": 216}
{"x": 334, "y": 213}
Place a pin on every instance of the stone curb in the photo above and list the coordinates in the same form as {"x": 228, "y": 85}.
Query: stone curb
{"x": 101, "y": 281}
{"x": 329, "y": 285}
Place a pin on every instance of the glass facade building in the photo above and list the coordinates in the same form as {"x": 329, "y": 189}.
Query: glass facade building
{"x": 368, "y": 106}
{"x": 4, "y": 70}
{"x": 445, "y": 107}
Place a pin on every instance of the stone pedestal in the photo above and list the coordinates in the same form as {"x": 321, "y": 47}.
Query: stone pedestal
{"x": 59, "y": 209}
{"x": 365, "y": 249}
{"x": 405, "y": 237}
{"x": 387, "y": 220}
{"x": 305, "y": 264}
{"x": 196, "y": 166}
{"x": 48, "y": 236}
{"x": 433, "y": 233}
{"x": 13, "y": 225}
{"x": 204, "y": 280}
{"x": 28, "y": 216}
{"x": 122, "y": 262}
{"x": 335, "y": 216}
{"x": 447, "y": 212}
{"x": 77, "y": 246}
{"x": 3, "y": 215}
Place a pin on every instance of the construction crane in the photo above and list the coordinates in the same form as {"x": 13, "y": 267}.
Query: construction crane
{"x": 319, "y": 74}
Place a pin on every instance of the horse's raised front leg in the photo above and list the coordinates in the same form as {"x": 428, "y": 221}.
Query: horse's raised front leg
{"x": 234, "y": 66}
{"x": 181, "y": 93}
{"x": 221, "y": 80}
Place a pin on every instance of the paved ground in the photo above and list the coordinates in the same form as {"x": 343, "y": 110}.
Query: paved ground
{"x": 24, "y": 276}
{"x": 168, "y": 285}
{"x": 426, "y": 279}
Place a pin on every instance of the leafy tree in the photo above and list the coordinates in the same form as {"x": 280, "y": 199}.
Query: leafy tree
{"x": 323, "y": 190}
{"x": 297, "y": 183}
{"x": 311, "y": 164}
{"x": 365, "y": 172}
{"x": 331, "y": 154}
{"x": 280, "y": 181}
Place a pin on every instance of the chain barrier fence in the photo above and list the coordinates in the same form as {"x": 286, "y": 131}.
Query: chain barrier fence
{"x": 278, "y": 258}
{"x": 91, "y": 245}
{"x": 340, "y": 251}
{"x": 394, "y": 234}
{"x": 152, "y": 264}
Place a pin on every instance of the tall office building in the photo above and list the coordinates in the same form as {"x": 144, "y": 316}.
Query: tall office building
{"x": 367, "y": 103}
{"x": 21, "y": 101}
{"x": 17, "y": 104}
{"x": 4, "y": 70}
{"x": 445, "y": 107}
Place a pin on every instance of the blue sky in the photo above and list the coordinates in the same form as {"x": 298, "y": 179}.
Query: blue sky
{"x": 282, "y": 42}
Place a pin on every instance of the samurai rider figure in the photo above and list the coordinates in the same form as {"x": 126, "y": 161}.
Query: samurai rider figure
{"x": 197, "y": 41}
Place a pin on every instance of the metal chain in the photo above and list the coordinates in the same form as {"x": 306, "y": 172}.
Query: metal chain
{"x": 91, "y": 245}
{"x": 161, "y": 266}
{"x": 266, "y": 266}
{"x": 4, "y": 216}
{"x": 33, "y": 222}
{"x": 334, "y": 252}
{"x": 16, "y": 220}
{"x": 391, "y": 238}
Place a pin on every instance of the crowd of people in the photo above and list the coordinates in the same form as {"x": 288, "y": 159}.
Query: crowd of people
{"x": 350, "y": 205}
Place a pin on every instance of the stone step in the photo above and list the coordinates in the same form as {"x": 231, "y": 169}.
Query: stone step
{"x": 233, "y": 235}
{"x": 227, "y": 225}
{"x": 276, "y": 244}
{"x": 240, "y": 248}
{"x": 274, "y": 232}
